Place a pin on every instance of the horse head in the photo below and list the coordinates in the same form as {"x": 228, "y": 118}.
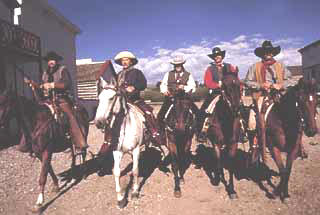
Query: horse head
{"x": 231, "y": 91}
{"x": 112, "y": 99}
{"x": 306, "y": 102}
{"x": 181, "y": 117}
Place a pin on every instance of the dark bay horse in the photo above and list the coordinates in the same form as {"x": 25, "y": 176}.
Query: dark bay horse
{"x": 42, "y": 132}
{"x": 293, "y": 114}
{"x": 180, "y": 128}
{"x": 224, "y": 129}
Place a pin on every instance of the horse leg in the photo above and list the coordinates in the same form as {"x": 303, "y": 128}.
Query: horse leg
{"x": 117, "y": 155}
{"x": 45, "y": 163}
{"x": 184, "y": 156}
{"x": 231, "y": 156}
{"x": 276, "y": 154}
{"x": 292, "y": 155}
{"x": 55, "y": 180}
{"x": 219, "y": 170}
{"x": 135, "y": 170}
{"x": 175, "y": 169}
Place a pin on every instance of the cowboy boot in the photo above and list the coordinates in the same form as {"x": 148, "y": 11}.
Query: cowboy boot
{"x": 76, "y": 132}
{"x": 202, "y": 128}
{"x": 153, "y": 129}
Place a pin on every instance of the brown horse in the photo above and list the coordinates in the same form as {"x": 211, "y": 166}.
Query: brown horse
{"x": 294, "y": 113}
{"x": 224, "y": 129}
{"x": 41, "y": 130}
{"x": 179, "y": 127}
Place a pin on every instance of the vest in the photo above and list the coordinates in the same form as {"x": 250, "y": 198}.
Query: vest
{"x": 173, "y": 82}
{"x": 56, "y": 75}
{"x": 215, "y": 73}
{"x": 279, "y": 73}
{"x": 56, "y": 78}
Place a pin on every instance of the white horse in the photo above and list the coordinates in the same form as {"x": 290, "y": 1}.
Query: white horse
{"x": 112, "y": 104}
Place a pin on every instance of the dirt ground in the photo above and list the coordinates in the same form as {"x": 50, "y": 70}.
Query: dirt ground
{"x": 96, "y": 194}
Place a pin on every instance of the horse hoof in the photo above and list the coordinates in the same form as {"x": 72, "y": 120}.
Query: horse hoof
{"x": 197, "y": 166}
{"x": 215, "y": 181}
{"x": 233, "y": 196}
{"x": 55, "y": 189}
{"x": 276, "y": 192}
{"x": 182, "y": 182}
{"x": 36, "y": 209}
{"x": 135, "y": 195}
{"x": 122, "y": 203}
{"x": 177, "y": 193}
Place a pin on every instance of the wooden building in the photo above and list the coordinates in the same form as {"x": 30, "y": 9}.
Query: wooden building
{"x": 311, "y": 60}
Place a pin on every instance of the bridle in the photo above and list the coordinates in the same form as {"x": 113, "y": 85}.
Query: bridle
{"x": 112, "y": 115}
{"x": 227, "y": 100}
{"x": 171, "y": 125}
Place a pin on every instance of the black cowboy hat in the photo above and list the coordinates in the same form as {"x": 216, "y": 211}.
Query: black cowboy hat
{"x": 51, "y": 55}
{"x": 267, "y": 47}
{"x": 217, "y": 51}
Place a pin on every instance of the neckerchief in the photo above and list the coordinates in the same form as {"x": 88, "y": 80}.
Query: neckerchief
{"x": 266, "y": 66}
{"x": 122, "y": 75}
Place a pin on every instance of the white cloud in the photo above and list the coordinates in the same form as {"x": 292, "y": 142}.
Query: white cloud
{"x": 239, "y": 51}
{"x": 239, "y": 38}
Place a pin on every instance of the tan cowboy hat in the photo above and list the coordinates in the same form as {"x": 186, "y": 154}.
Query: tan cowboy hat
{"x": 267, "y": 47}
{"x": 51, "y": 55}
{"x": 217, "y": 51}
{"x": 125, "y": 54}
{"x": 178, "y": 60}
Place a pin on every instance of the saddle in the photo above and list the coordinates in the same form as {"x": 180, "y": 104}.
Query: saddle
{"x": 60, "y": 117}
{"x": 212, "y": 105}
{"x": 138, "y": 111}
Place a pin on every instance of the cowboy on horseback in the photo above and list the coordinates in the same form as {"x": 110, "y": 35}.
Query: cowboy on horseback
{"x": 177, "y": 79}
{"x": 213, "y": 81}
{"x": 56, "y": 88}
{"x": 263, "y": 76}
{"x": 133, "y": 81}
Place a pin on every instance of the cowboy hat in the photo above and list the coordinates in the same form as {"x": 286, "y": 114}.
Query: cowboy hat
{"x": 125, "y": 54}
{"x": 217, "y": 51}
{"x": 51, "y": 55}
{"x": 178, "y": 60}
{"x": 267, "y": 47}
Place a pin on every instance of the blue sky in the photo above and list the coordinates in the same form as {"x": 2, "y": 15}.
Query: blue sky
{"x": 155, "y": 31}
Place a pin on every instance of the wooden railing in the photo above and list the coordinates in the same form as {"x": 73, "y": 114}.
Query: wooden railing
{"x": 16, "y": 38}
{"x": 87, "y": 90}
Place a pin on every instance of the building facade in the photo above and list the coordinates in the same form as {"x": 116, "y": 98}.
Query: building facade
{"x": 28, "y": 30}
{"x": 311, "y": 61}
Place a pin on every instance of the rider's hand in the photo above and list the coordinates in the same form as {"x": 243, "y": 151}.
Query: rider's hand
{"x": 167, "y": 93}
{"x": 266, "y": 85}
{"x": 220, "y": 83}
{"x": 180, "y": 87}
{"x": 48, "y": 86}
{"x": 130, "y": 89}
{"x": 277, "y": 86}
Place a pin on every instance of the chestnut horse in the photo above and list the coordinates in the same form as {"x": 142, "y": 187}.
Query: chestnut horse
{"x": 179, "y": 127}
{"x": 294, "y": 113}
{"x": 224, "y": 129}
{"x": 42, "y": 132}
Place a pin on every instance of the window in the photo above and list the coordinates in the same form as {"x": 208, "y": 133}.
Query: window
{"x": 17, "y": 14}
